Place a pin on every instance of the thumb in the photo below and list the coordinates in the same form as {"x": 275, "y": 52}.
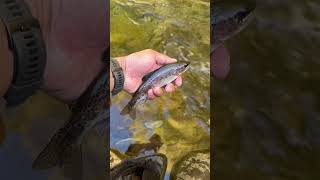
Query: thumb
{"x": 220, "y": 63}
{"x": 162, "y": 59}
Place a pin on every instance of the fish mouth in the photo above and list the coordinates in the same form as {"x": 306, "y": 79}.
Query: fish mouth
{"x": 186, "y": 67}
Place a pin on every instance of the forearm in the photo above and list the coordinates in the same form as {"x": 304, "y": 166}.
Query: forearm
{"x": 6, "y": 61}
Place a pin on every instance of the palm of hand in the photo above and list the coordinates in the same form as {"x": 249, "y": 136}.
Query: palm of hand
{"x": 74, "y": 40}
{"x": 137, "y": 69}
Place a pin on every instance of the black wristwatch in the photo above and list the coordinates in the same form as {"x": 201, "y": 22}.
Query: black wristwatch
{"x": 118, "y": 76}
{"x": 26, "y": 43}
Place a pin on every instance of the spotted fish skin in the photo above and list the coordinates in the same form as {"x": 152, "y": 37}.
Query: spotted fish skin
{"x": 228, "y": 19}
{"x": 64, "y": 148}
{"x": 158, "y": 78}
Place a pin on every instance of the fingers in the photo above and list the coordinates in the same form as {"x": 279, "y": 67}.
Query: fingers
{"x": 151, "y": 95}
{"x": 169, "y": 87}
{"x": 220, "y": 63}
{"x": 157, "y": 91}
{"x": 178, "y": 81}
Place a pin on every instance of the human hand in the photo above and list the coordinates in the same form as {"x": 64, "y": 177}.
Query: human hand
{"x": 138, "y": 64}
{"x": 74, "y": 42}
{"x": 220, "y": 62}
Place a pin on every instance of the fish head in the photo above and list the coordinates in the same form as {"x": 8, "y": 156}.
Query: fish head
{"x": 181, "y": 67}
{"x": 228, "y": 19}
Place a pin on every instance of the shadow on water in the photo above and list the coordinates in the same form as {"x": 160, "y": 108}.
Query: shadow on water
{"x": 176, "y": 123}
{"x": 267, "y": 111}
{"x": 28, "y": 129}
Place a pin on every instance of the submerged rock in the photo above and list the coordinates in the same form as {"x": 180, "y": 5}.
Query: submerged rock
{"x": 116, "y": 157}
{"x": 194, "y": 165}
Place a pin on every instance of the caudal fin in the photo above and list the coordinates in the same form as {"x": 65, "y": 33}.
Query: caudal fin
{"x": 128, "y": 109}
{"x": 58, "y": 153}
{"x": 50, "y": 156}
{"x": 72, "y": 165}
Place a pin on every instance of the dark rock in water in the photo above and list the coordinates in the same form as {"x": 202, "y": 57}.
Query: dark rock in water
{"x": 151, "y": 167}
{"x": 144, "y": 148}
{"x": 194, "y": 165}
{"x": 116, "y": 157}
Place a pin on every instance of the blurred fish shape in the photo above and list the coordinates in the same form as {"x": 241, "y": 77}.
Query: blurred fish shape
{"x": 228, "y": 19}
{"x": 64, "y": 148}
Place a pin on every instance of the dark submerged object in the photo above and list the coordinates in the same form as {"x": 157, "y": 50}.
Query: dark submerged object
{"x": 194, "y": 165}
{"x": 152, "y": 167}
{"x": 142, "y": 148}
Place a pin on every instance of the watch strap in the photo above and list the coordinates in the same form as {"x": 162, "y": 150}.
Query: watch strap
{"x": 26, "y": 43}
{"x": 118, "y": 76}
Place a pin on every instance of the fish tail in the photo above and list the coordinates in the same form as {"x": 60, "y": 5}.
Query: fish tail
{"x": 49, "y": 156}
{"x": 72, "y": 166}
{"x": 57, "y": 153}
{"x": 128, "y": 109}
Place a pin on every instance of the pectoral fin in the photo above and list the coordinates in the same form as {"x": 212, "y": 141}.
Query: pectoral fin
{"x": 58, "y": 153}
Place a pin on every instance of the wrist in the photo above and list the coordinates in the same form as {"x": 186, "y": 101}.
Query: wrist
{"x": 40, "y": 10}
{"x": 117, "y": 78}
{"x": 6, "y": 61}
{"x": 123, "y": 64}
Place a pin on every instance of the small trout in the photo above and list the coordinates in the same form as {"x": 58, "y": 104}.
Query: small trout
{"x": 158, "y": 78}
{"x": 228, "y": 19}
{"x": 64, "y": 149}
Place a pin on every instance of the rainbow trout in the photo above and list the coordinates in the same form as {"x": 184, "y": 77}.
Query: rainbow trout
{"x": 158, "y": 78}
{"x": 64, "y": 148}
{"x": 228, "y": 19}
